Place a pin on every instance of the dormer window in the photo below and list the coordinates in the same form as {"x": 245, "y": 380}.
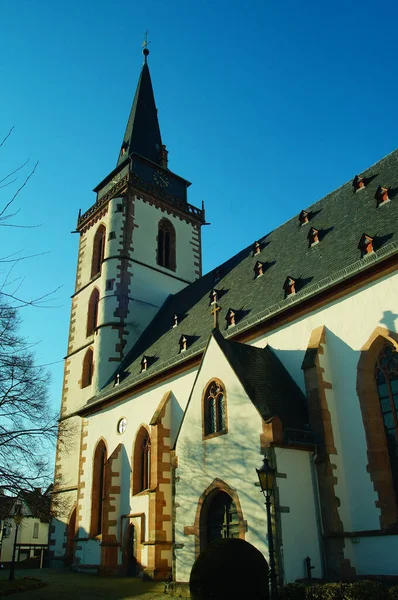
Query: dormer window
{"x": 382, "y": 195}
{"x": 183, "y": 343}
{"x": 230, "y": 318}
{"x": 359, "y": 183}
{"x": 365, "y": 244}
{"x": 217, "y": 275}
{"x": 144, "y": 364}
{"x": 289, "y": 286}
{"x": 256, "y": 248}
{"x": 123, "y": 149}
{"x": 303, "y": 217}
{"x": 213, "y": 296}
{"x": 175, "y": 320}
{"x": 313, "y": 236}
{"x": 258, "y": 269}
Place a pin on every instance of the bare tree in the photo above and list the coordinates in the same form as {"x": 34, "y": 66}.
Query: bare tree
{"x": 27, "y": 426}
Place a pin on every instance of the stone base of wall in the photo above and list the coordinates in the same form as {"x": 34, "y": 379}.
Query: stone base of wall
{"x": 179, "y": 590}
{"x": 156, "y": 574}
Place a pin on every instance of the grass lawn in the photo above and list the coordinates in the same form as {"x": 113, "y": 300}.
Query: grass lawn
{"x": 19, "y": 585}
{"x": 63, "y": 584}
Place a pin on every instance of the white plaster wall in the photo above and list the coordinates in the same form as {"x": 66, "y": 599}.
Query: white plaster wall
{"x": 147, "y": 217}
{"x": 138, "y": 410}
{"x": 232, "y": 457}
{"x": 350, "y": 322}
{"x": 374, "y": 556}
{"x": 300, "y": 532}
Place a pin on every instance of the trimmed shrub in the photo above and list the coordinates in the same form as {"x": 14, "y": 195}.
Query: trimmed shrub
{"x": 360, "y": 590}
{"x": 368, "y": 590}
{"x": 293, "y": 591}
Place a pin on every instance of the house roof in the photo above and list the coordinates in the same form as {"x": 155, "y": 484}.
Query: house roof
{"x": 267, "y": 383}
{"x": 341, "y": 218}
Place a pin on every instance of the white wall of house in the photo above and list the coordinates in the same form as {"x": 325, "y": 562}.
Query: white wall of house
{"x": 233, "y": 458}
{"x": 137, "y": 410}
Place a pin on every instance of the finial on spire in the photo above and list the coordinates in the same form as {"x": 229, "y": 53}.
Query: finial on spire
{"x": 145, "y": 43}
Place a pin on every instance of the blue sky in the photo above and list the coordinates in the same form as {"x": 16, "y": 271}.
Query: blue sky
{"x": 265, "y": 106}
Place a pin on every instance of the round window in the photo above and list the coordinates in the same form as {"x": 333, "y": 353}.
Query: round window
{"x": 122, "y": 425}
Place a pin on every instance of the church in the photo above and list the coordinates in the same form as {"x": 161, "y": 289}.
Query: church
{"x": 178, "y": 384}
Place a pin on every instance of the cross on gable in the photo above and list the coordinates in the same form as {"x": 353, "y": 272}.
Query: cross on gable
{"x": 215, "y": 309}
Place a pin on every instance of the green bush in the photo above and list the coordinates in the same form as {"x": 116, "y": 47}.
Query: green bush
{"x": 294, "y": 591}
{"x": 368, "y": 590}
{"x": 393, "y": 593}
{"x": 360, "y": 590}
{"x": 327, "y": 591}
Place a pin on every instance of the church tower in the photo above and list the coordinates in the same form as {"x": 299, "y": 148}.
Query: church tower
{"x": 139, "y": 242}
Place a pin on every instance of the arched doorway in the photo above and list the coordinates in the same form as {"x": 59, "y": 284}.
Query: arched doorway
{"x": 219, "y": 518}
{"x": 131, "y": 551}
{"x": 71, "y": 530}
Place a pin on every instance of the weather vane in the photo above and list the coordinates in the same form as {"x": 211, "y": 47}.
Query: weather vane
{"x": 145, "y": 42}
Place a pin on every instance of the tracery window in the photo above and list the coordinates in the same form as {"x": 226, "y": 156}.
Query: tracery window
{"x": 98, "y": 250}
{"x": 98, "y": 489}
{"x": 166, "y": 254}
{"x": 214, "y": 405}
{"x": 222, "y": 518}
{"x": 387, "y": 387}
{"x": 88, "y": 368}
{"x": 141, "y": 479}
{"x": 92, "y": 313}
{"x": 145, "y": 462}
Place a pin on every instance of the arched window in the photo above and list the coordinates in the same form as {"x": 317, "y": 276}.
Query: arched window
{"x": 88, "y": 368}
{"x": 98, "y": 250}
{"x": 166, "y": 254}
{"x": 387, "y": 387}
{"x": 219, "y": 518}
{"x": 142, "y": 461}
{"x": 214, "y": 409}
{"x": 98, "y": 489}
{"x": 92, "y": 313}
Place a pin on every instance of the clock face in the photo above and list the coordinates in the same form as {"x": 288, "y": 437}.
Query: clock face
{"x": 161, "y": 179}
{"x": 122, "y": 425}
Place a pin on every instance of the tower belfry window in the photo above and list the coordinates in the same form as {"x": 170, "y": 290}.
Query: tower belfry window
{"x": 98, "y": 250}
{"x": 166, "y": 253}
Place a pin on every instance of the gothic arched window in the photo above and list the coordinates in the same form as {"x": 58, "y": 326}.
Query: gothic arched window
{"x": 92, "y": 313}
{"x": 98, "y": 489}
{"x": 387, "y": 387}
{"x": 214, "y": 409}
{"x": 166, "y": 254}
{"x": 98, "y": 250}
{"x": 222, "y": 518}
{"x": 88, "y": 368}
{"x": 142, "y": 461}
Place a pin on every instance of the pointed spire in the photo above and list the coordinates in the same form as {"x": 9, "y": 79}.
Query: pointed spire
{"x": 142, "y": 132}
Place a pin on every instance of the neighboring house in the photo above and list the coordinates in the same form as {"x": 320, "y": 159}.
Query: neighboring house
{"x": 177, "y": 384}
{"x": 32, "y": 536}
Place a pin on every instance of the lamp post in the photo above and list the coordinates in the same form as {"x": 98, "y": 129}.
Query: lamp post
{"x": 17, "y": 520}
{"x": 266, "y": 476}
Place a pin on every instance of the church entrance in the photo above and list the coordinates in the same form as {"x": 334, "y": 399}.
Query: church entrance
{"x": 219, "y": 518}
{"x": 70, "y": 538}
{"x": 131, "y": 551}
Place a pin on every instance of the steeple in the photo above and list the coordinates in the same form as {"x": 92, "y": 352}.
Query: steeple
{"x": 142, "y": 134}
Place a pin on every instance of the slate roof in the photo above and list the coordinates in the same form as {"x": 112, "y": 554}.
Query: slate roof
{"x": 267, "y": 383}
{"x": 142, "y": 132}
{"x": 341, "y": 218}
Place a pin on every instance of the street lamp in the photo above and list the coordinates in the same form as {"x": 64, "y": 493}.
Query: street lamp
{"x": 17, "y": 520}
{"x": 266, "y": 476}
